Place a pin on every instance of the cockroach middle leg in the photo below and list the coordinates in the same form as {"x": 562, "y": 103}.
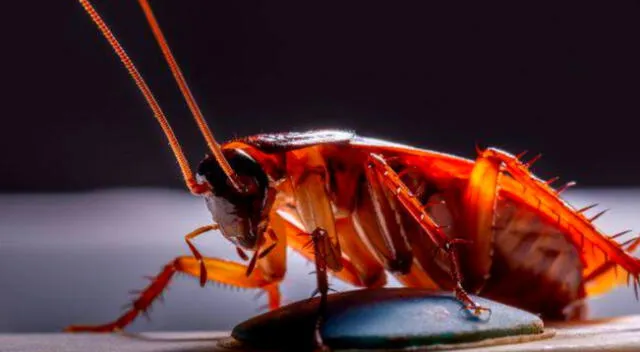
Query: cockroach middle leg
{"x": 321, "y": 247}
{"x": 313, "y": 202}
{"x": 218, "y": 270}
{"x": 354, "y": 273}
{"x": 393, "y": 182}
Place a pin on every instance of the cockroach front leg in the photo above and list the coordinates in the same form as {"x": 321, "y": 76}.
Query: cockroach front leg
{"x": 188, "y": 238}
{"x": 392, "y": 181}
{"x": 218, "y": 270}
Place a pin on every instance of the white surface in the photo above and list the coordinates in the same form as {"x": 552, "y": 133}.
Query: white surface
{"x": 73, "y": 258}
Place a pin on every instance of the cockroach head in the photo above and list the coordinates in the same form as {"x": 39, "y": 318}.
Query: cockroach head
{"x": 239, "y": 213}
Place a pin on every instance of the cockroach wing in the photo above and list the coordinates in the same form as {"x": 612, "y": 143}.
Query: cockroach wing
{"x": 281, "y": 142}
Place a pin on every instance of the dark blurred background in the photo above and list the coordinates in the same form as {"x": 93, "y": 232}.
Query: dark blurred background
{"x": 85, "y": 204}
{"x": 560, "y": 78}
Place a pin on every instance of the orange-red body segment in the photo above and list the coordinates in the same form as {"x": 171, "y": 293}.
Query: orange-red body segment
{"x": 527, "y": 247}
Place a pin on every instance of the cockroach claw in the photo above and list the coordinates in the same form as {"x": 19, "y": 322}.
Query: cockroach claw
{"x": 476, "y": 311}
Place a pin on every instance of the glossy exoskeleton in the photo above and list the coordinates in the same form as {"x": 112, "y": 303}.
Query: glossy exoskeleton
{"x": 372, "y": 207}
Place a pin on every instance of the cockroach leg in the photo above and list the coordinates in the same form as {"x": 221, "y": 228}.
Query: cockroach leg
{"x": 365, "y": 273}
{"x": 313, "y": 202}
{"x": 218, "y": 270}
{"x": 377, "y": 216}
{"x": 416, "y": 209}
{"x": 459, "y": 291}
{"x": 407, "y": 199}
{"x": 272, "y": 235}
{"x": 321, "y": 247}
{"x": 188, "y": 238}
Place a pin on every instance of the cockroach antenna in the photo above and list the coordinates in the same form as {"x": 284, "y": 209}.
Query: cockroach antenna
{"x": 188, "y": 96}
{"x": 187, "y": 174}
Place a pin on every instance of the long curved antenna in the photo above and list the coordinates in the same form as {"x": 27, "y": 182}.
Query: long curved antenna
{"x": 186, "y": 92}
{"x": 187, "y": 174}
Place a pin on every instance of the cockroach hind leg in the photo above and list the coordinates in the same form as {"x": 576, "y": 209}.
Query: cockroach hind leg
{"x": 469, "y": 306}
{"x": 413, "y": 206}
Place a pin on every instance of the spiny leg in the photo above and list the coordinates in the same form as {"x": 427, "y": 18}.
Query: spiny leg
{"x": 460, "y": 292}
{"x": 308, "y": 176}
{"x": 218, "y": 270}
{"x": 354, "y": 273}
{"x": 188, "y": 238}
{"x": 386, "y": 232}
{"x": 391, "y": 180}
{"x": 394, "y": 237}
{"x": 321, "y": 247}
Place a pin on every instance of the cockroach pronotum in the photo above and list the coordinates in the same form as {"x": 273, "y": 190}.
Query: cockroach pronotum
{"x": 431, "y": 219}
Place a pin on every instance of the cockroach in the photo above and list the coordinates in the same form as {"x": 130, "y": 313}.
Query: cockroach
{"x": 372, "y": 207}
